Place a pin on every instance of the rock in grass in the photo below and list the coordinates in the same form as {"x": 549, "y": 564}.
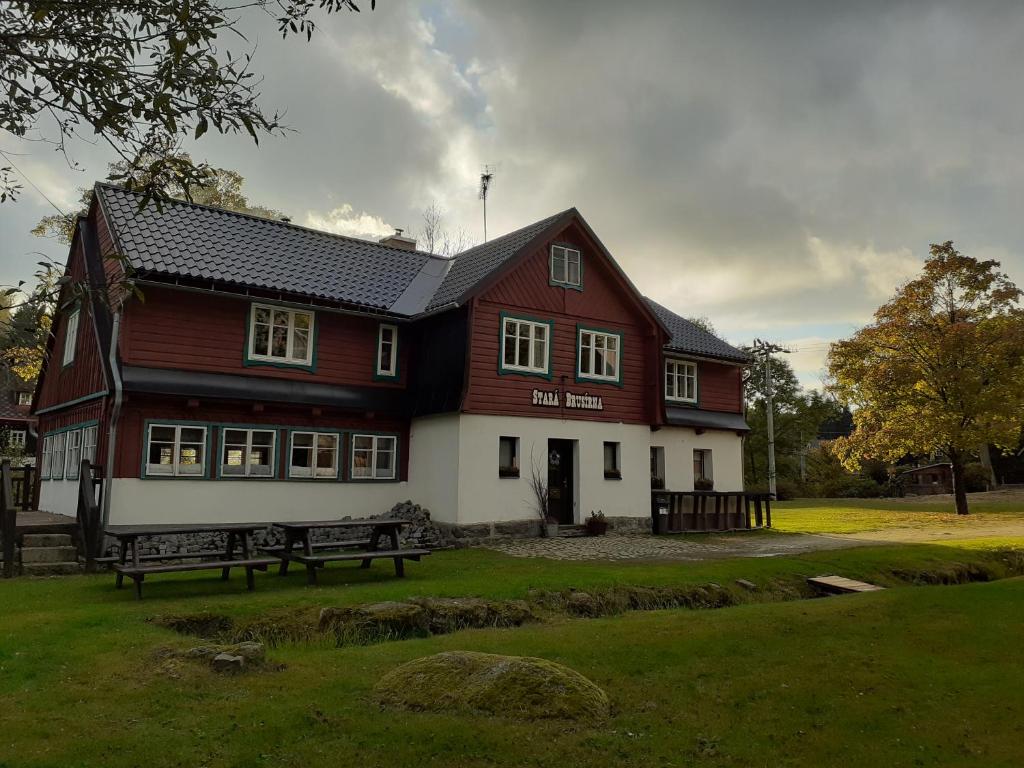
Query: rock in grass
{"x": 520, "y": 687}
{"x": 451, "y": 614}
{"x": 227, "y": 663}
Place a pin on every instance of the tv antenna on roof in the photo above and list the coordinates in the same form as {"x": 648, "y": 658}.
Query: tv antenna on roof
{"x": 486, "y": 179}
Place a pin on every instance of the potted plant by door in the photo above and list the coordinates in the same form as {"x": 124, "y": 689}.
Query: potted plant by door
{"x": 597, "y": 524}
{"x": 551, "y": 527}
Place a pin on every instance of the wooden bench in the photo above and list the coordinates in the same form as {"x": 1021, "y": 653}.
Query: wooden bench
{"x": 138, "y": 573}
{"x": 224, "y": 560}
{"x": 315, "y": 556}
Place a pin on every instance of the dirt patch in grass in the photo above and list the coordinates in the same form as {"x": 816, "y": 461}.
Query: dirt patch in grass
{"x": 520, "y": 687}
{"x": 425, "y": 616}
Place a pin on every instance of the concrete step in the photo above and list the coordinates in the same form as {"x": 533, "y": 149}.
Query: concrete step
{"x": 48, "y": 554}
{"x": 50, "y": 569}
{"x": 46, "y": 540}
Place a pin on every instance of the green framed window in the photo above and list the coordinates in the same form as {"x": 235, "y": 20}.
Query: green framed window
{"x": 387, "y": 352}
{"x": 314, "y": 455}
{"x": 175, "y": 450}
{"x": 374, "y": 457}
{"x": 247, "y": 452}
{"x": 566, "y": 267}
{"x": 525, "y": 346}
{"x": 681, "y": 381}
{"x": 70, "y": 337}
{"x": 280, "y": 336}
{"x": 598, "y": 355}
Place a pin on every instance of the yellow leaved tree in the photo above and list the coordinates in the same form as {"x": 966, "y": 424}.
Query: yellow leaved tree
{"x": 941, "y": 368}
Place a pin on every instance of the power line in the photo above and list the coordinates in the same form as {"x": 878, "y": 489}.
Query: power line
{"x": 33, "y": 185}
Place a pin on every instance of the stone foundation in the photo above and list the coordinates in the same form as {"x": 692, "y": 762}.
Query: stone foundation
{"x": 422, "y": 532}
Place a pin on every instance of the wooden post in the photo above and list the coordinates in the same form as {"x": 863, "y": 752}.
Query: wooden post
{"x": 88, "y": 515}
{"x": 8, "y": 518}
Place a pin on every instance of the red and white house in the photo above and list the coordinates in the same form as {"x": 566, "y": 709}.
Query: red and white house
{"x": 272, "y": 372}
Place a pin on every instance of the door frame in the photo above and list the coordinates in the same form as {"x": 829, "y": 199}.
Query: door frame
{"x": 568, "y": 449}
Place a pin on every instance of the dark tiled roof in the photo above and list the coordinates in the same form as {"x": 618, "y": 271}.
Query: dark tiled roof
{"x": 196, "y": 241}
{"x": 689, "y": 338}
{"x": 470, "y": 267}
{"x": 693, "y": 417}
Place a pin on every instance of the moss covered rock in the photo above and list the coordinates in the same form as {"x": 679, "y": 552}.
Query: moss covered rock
{"x": 450, "y": 614}
{"x": 519, "y": 687}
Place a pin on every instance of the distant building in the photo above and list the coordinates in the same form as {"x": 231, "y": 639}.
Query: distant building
{"x": 928, "y": 480}
{"x": 17, "y": 425}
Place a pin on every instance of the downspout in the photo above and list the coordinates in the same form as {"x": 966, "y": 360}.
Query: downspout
{"x": 115, "y": 414}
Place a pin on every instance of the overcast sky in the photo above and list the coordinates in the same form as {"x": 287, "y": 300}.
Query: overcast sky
{"x": 779, "y": 167}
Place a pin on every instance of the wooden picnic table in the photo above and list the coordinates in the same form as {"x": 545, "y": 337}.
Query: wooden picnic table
{"x": 317, "y": 555}
{"x": 223, "y": 560}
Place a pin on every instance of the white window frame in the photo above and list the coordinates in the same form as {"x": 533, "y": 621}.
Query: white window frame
{"x": 673, "y": 374}
{"x": 246, "y": 465}
{"x": 73, "y": 451}
{"x": 177, "y": 469}
{"x": 532, "y": 326}
{"x": 44, "y": 470}
{"x": 595, "y": 334}
{"x": 569, "y": 257}
{"x": 289, "y": 358}
{"x": 391, "y": 371}
{"x": 375, "y": 449}
{"x": 70, "y": 337}
{"x": 313, "y": 470}
{"x": 18, "y": 438}
{"x": 24, "y": 398}
{"x": 90, "y": 436}
{"x": 58, "y": 456}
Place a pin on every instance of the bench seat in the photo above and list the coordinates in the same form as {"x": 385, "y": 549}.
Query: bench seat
{"x": 322, "y": 545}
{"x": 166, "y": 556}
{"x": 139, "y": 572}
{"x": 314, "y": 561}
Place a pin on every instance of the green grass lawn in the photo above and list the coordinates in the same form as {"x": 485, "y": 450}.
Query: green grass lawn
{"x": 859, "y": 515}
{"x": 913, "y": 676}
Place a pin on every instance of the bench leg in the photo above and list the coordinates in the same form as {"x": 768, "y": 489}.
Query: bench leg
{"x": 138, "y": 586}
{"x": 229, "y": 555}
{"x": 311, "y": 574}
{"x": 400, "y": 567}
{"x": 250, "y": 578}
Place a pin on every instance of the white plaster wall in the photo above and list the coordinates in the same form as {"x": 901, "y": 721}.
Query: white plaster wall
{"x": 485, "y": 497}
{"x": 59, "y": 497}
{"x": 679, "y": 443}
{"x": 434, "y": 465}
{"x": 137, "y": 501}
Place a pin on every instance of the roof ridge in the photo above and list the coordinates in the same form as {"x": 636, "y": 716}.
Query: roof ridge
{"x": 512, "y": 233}
{"x": 278, "y": 222}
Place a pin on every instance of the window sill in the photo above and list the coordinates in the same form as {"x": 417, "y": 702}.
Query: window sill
{"x": 612, "y": 475}
{"x": 508, "y": 473}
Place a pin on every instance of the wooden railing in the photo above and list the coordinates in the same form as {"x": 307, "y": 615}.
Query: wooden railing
{"x": 88, "y": 515}
{"x": 696, "y": 511}
{"x": 8, "y": 518}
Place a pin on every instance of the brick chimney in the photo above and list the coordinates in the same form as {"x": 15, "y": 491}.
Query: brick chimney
{"x": 398, "y": 240}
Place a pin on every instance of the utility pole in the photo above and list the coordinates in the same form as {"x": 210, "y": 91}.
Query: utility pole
{"x": 766, "y": 349}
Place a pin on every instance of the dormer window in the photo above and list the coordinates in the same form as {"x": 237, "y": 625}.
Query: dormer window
{"x": 680, "y": 381}
{"x": 279, "y": 336}
{"x": 566, "y": 267}
{"x": 24, "y": 398}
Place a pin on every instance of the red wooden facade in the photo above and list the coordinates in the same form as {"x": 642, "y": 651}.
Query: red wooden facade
{"x": 204, "y": 331}
{"x": 198, "y": 331}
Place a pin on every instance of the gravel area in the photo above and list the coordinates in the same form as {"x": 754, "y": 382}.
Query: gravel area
{"x": 693, "y": 547}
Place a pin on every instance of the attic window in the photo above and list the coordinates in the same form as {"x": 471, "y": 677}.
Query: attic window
{"x": 279, "y": 336}
{"x": 24, "y": 398}
{"x": 566, "y": 267}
